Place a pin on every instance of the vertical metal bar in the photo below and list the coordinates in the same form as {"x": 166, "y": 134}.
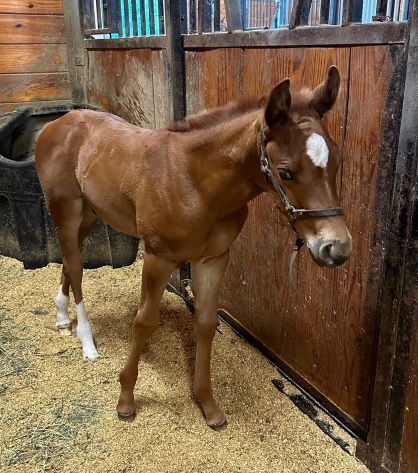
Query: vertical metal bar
{"x": 200, "y": 6}
{"x": 381, "y": 7}
{"x": 127, "y": 20}
{"x": 192, "y": 14}
{"x": 161, "y": 15}
{"x": 142, "y": 16}
{"x": 352, "y": 11}
{"x": 98, "y": 15}
{"x": 300, "y": 13}
{"x": 106, "y": 14}
{"x": 115, "y": 17}
{"x": 207, "y": 16}
{"x": 88, "y": 15}
{"x": 324, "y": 11}
{"x": 217, "y": 16}
{"x": 134, "y": 18}
{"x": 233, "y": 15}
{"x": 151, "y": 17}
{"x": 183, "y": 16}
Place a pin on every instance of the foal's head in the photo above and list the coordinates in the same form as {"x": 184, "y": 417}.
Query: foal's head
{"x": 305, "y": 160}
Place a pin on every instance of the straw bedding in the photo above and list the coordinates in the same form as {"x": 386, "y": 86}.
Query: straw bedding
{"x": 57, "y": 412}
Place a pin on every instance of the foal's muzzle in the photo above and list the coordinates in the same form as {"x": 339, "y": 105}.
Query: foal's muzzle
{"x": 330, "y": 252}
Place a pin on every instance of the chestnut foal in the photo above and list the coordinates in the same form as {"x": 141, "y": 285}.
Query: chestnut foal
{"x": 184, "y": 190}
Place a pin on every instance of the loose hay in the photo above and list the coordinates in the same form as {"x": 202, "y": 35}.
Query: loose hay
{"x": 58, "y": 412}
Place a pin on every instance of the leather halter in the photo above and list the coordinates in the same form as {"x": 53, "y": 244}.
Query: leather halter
{"x": 293, "y": 213}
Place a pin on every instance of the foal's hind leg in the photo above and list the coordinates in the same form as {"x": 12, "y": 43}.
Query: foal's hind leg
{"x": 155, "y": 274}
{"x": 70, "y": 219}
{"x": 207, "y": 278}
{"x": 62, "y": 299}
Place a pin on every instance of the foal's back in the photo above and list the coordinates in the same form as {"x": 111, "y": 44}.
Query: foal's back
{"x": 101, "y": 159}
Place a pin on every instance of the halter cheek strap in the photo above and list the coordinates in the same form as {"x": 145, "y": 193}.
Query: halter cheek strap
{"x": 293, "y": 213}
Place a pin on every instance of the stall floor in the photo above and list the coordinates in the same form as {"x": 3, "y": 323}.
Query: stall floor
{"x": 57, "y": 412}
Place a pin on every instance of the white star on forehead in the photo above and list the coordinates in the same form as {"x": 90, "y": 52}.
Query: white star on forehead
{"x": 317, "y": 150}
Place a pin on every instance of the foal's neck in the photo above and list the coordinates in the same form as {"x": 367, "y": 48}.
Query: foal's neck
{"x": 229, "y": 160}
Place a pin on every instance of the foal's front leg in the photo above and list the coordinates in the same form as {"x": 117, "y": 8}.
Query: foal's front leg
{"x": 207, "y": 276}
{"x": 155, "y": 274}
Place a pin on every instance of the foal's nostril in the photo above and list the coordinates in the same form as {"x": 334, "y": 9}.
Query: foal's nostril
{"x": 325, "y": 253}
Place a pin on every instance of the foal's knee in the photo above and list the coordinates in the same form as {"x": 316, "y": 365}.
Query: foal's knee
{"x": 205, "y": 328}
{"x": 144, "y": 325}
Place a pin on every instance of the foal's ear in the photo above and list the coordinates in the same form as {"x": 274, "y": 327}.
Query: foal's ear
{"x": 324, "y": 95}
{"x": 278, "y": 103}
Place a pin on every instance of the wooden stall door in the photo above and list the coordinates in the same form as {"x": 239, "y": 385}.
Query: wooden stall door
{"x": 322, "y": 333}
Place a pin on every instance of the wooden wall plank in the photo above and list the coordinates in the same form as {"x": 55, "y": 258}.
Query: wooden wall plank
{"x": 121, "y": 81}
{"x": 409, "y": 453}
{"x": 15, "y": 58}
{"x": 31, "y": 87}
{"x": 33, "y": 7}
{"x": 371, "y": 71}
{"x": 160, "y": 88}
{"x": 31, "y": 29}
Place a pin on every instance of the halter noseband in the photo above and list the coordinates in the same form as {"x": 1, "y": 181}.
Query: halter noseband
{"x": 292, "y": 212}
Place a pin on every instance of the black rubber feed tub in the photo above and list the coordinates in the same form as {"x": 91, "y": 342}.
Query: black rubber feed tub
{"x": 26, "y": 230}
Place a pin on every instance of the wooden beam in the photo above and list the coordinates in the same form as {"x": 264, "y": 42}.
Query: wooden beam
{"x": 141, "y": 42}
{"x": 233, "y": 15}
{"x": 399, "y": 287}
{"x": 308, "y": 36}
{"x": 175, "y": 60}
{"x": 75, "y": 51}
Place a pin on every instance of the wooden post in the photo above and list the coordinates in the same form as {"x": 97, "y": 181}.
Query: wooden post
{"x": 177, "y": 95}
{"x": 75, "y": 51}
{"x": 233, "y": 15}
{"x": 399, "y": 288}
{"x": 175, "y": 60}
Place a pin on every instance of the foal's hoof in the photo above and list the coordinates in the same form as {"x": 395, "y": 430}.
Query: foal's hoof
{"x": 90, "y": 355}
{"x": 126, "y": 410}
{"x": 65, "y": 331}
{"x": 222, "y": 425}
{"x": 127, "y": 417}
{"x": 219, "y": 426}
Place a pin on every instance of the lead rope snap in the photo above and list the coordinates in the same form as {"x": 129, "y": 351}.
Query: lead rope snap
{"x": 294, "y": 261}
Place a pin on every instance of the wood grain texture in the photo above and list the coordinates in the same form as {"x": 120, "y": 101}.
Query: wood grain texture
{"x": 371, "y": 71}
{"x": 32, "y": 87}
{"x": 409, "y": 453}
{"x": 33, "y": 7}
{"x": 121, "y": 81}
{"x": 328, "y": 305}
{"x": 31, "y": 29}
{"x": 18, "y": 58}
{"x": 160, "y": 89}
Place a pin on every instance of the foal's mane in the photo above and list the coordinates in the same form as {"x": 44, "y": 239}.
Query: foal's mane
{"x": 219, "y": 115}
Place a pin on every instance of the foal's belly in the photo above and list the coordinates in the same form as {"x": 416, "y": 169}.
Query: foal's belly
{"x": 105, "y": 198}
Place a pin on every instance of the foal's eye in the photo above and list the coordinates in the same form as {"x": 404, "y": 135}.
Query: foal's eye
{"x": 286, "y": 175}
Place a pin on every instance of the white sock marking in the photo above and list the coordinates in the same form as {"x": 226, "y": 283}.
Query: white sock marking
{"x": 62, "y": 302}
{"x": 317, "y": 150}
{"x": 85, "y": 334}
